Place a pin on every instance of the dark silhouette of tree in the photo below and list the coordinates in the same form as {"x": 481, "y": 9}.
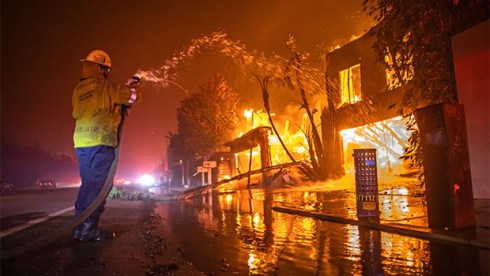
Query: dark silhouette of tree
{"x": 206, "y": 119}
{"x": 23, "y": 165}
{"x": 416, "y": 36}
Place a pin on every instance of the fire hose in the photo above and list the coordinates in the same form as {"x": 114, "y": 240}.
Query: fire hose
{"x": 68, "y": 227}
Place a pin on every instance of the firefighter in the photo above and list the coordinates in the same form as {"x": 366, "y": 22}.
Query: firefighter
{"x": 98, "y": 104}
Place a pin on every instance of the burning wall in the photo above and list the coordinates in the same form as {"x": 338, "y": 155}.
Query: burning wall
{"x": 363, "y": 113}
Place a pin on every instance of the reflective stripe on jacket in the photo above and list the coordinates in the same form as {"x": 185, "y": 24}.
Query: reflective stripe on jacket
{"x": 97, "y": 111}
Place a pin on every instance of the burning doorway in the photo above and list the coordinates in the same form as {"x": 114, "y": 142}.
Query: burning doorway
{"x": 389, "y": 137}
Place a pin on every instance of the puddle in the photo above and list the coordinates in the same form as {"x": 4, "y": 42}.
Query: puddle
{"x": 238, "y": 232}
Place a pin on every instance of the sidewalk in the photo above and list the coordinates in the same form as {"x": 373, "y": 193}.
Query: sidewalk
{"x": 478, "y": 236}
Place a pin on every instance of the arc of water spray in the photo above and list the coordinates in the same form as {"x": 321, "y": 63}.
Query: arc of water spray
{"x": 219, "y": 43}
{"x": 186, "y": 92}
{"x": 149, "y": 76}
{"x": 249, "y": 62}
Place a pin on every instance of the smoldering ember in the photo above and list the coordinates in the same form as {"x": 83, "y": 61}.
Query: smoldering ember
{"x": 369, "y": 157}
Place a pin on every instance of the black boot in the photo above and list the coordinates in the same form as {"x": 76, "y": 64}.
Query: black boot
{"x": 96, "y": 235}
{"x": 88, "y": 231}
{"x": 84, "y": 228}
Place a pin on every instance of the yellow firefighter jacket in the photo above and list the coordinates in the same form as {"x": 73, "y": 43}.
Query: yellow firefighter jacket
{"x": 97, "y": 106}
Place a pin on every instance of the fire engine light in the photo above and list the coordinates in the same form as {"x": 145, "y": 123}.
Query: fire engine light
{"x": 146, "y": 180}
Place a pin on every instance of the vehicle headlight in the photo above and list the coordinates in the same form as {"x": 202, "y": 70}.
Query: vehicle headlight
{"x": 146, "y": 180}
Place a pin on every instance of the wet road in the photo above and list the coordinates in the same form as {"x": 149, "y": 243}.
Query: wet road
{"x": 239, "y": 232}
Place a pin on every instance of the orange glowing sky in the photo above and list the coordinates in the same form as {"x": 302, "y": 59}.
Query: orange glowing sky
{"x": 43, "y": 41}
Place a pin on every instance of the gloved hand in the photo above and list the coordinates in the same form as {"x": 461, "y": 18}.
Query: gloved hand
{"x": 132, "y": 82}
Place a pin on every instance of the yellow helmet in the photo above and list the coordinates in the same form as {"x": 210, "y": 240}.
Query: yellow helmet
{"x": 99, "y": 57}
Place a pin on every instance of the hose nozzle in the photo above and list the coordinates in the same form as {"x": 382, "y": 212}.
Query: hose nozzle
{"x": 136, "y": 79}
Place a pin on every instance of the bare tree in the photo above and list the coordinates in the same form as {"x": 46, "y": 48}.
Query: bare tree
{"x": 295, "y": 69}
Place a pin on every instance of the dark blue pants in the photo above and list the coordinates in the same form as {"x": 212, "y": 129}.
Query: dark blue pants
{"x": 94, "y": 164}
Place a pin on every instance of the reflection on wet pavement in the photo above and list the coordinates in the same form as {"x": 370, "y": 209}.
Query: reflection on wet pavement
{"x": 241, "y": 229}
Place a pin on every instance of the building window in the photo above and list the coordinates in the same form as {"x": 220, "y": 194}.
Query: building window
{"x": 350, "y": 84}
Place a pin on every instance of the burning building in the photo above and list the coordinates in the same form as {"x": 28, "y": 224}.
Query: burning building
{"x": 259, "y": 149}
{"x": 361, "y": 110}
{"x": 364, "y": 112}
{"x": 366, "y": 107}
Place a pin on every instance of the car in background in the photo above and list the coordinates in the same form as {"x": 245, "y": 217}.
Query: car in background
{"x": 47, "y": 184}
{"x": 7, "y": 187}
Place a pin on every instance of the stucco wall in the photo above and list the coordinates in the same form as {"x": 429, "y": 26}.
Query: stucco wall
{"x": 471, "y": 62}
